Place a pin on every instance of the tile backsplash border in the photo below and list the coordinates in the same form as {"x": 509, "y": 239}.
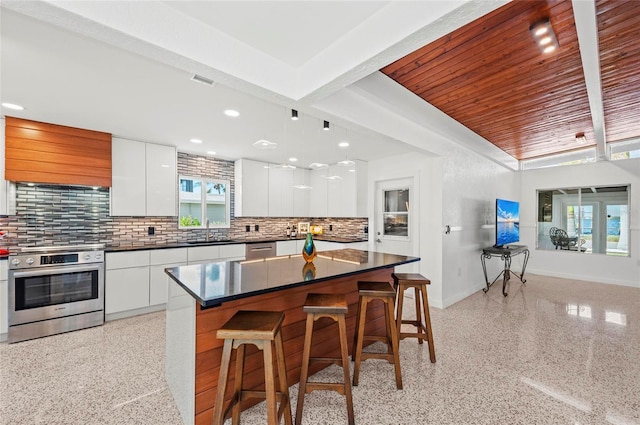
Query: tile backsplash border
{"x": 49, "y": 215}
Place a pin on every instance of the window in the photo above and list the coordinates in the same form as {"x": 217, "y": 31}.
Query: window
{"x": 396, "y": 212}
{"x": 203, "y": 199}
{"x": 590, "y": 220}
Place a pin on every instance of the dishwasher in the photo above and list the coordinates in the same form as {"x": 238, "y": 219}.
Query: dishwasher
{"x": 256, "y": 251}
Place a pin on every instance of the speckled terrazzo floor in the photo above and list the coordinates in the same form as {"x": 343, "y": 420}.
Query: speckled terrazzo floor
{"x": 553, "y": 352}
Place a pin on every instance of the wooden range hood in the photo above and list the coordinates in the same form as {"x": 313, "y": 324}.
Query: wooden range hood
{"x": 38, "y": 152}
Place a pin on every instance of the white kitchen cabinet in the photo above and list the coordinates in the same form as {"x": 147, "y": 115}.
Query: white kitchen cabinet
{"x": 158, "y": 279}
{"x": 126, "y": 281}
{"x": 7, "y": 189}
{"x": 206, "y": 254}
{"x": 318, "y": 193}
{"x": 144, "y": 180}
{"x": 252, "y": 188}
{"x": 287, "y": 248}
{"x": 339, "y": 191}
{"x": 161, "y": 179}
{"x": 4, "y": 300}
{"x": 301, "y": 192}
{"x": 281, "y": 191}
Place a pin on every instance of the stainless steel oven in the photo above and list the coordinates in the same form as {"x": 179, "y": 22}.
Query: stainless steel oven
{"x": 54, "y": 290}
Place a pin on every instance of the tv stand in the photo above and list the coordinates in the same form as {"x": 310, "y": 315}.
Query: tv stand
{"x": 505, "y": 252}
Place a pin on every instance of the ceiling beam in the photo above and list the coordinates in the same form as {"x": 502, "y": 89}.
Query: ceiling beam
{"x": 587, "y": 28}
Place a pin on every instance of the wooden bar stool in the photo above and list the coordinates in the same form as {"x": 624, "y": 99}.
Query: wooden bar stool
{"x": 419, "y": 283}
{"x": 384, "y": 292}
{"x": 262, "y": 329}
{"x": 333, "y": 306}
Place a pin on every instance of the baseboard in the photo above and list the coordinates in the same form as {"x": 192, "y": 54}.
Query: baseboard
{"x": 135, "y": 312}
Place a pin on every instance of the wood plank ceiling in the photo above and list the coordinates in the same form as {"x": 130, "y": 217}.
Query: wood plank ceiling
{"x": 491, "y": 76}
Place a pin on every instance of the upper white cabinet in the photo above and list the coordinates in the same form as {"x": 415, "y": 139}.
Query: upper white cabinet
{"x": 339, "y": 191}
{"x": 281, "y": 191}
{"x": 252, "y": 188}
{"x": 301, "y": 192}
{"x": 318, "y": 193}
{"x": 269, "y": 190}
{"x": 144, "y": 179}
{"x": 161, "y": 180}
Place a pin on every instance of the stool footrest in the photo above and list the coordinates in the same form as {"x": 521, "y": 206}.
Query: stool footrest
{"x": 375, "y": 338}
{"x": 332, "y": 360}
{"x": 404, "y": 335}
{"x": 333, "y": 386}
{"x": 381, "y": 356}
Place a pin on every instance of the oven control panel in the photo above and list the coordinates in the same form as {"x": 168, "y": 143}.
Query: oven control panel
{"x": 28, "y": 261}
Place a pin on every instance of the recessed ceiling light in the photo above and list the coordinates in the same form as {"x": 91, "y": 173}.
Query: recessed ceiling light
{"x": 231, "y": 113}
{"x": 301, "y": 186}
{"x": 293, "y": 159}
{"x": 196, "y": 141}
{"x": 549, "y": 49}
{"x": 343, "y": 144}
{"x": 211, "y": 153}
{"x": 265, "y": 144}
{"x": 346, "y": 163}
{"x": 351, "y": 170}
{"x": 12, "y": 106}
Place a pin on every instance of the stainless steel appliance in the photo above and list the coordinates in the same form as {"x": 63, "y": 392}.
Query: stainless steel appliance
{"x": 256, "y": 251}
{"x": 54, "y": 290}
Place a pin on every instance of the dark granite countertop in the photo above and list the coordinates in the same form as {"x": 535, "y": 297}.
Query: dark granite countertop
{"x": 337, "y": 239}
{"x": 217, "y": 282}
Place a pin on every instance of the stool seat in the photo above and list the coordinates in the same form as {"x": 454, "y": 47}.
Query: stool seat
{"x": 402, "y": 282}
{"x": 262, "y": 329}
{"x": 382, "y": 291}
{"x": 246, "y": 324}
{"x": 333, "y": 306}
{"x": 326, "y": 303}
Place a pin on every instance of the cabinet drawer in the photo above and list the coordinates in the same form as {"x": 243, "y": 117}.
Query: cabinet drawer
{"x": 232, "y": 251}
{"x": 168, "y": 256}
{"x": 203, "y": 253}
{"x": 122, "y": 260}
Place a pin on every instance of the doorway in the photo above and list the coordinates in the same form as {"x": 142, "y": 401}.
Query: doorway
{"x": 396, "y": 219}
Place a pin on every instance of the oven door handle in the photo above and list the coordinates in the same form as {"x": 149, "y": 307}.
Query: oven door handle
{"x": 55, "y": 270}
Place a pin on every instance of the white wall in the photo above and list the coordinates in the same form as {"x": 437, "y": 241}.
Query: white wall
{"x": 570, "y": 264}
{"x": 471, "y": 185}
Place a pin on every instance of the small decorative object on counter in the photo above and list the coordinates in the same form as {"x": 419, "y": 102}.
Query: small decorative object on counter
{"x": 293, "y": 231}
{"x": 308, "y": 272}
{"x": 288, "y": 230}
{"x": 309, "y": 249}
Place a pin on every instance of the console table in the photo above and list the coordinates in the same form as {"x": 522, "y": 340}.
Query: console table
{"x": 505, "y": 253}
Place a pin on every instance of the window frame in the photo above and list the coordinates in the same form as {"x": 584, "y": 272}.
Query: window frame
{"x": 205, "y": 181}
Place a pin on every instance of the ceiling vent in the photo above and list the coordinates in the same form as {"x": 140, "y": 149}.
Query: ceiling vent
{"x": 200, "y": 79}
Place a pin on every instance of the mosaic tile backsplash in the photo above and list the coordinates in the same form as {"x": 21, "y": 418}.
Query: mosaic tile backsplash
{"x": 61, "y": 215}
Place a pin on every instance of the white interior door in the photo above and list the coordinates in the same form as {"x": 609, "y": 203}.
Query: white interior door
{"x": 396, "y": 223}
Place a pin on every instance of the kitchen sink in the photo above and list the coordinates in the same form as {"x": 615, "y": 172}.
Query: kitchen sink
{"x": 206, "y": 242}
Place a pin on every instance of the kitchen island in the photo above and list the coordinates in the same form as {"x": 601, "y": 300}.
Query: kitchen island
{"x": 202, "y": 297}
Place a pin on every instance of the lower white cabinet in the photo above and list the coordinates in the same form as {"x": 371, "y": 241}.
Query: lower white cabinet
{"x": 126, "y": 281}
{"x": 287, "y": 248}
{"x": 4, "y": 299}
{"x": 136, "y": 280}
{"x": 126, "y": 289}
{"x": 158, "y": 279}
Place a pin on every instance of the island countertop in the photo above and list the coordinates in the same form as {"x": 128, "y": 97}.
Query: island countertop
{"x": 213, "y": 283}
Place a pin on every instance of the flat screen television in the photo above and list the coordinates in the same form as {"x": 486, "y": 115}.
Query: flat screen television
{"x": 507, "y": 222}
